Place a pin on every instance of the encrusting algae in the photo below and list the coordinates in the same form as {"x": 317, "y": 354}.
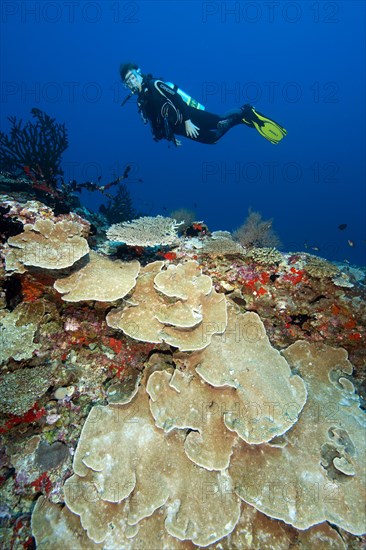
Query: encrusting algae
{"x": 213, "y": 399}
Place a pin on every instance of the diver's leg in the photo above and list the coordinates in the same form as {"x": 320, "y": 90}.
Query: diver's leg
{"x": 213, "y": 127}
{"x": 229, "y": 120}
{"x": 247, "y": 114}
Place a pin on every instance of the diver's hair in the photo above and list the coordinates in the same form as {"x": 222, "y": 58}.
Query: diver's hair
{"x": 125, "y": 67}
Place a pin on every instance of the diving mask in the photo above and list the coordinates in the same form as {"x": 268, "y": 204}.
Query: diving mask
{"x": 133, "y": 80}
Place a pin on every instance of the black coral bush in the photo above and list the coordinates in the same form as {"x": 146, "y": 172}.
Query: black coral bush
{"x": 35, "y": 147}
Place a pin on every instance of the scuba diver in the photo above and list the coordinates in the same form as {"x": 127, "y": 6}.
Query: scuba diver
{"x": 171, "y": 112}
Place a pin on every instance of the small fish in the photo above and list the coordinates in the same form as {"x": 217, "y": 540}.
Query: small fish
{"x": 351, "y": 243}
{"x": 306, "y": 246}
{"x": 342, "y": 226}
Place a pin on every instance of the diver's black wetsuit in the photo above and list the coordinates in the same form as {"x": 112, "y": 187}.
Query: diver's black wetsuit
{"x": 167, "y": 112}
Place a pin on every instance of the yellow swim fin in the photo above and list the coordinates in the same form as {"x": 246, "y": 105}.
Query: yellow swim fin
{"x": 268, "y": 128}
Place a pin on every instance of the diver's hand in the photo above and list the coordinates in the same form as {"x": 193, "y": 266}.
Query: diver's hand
{"x": 178, "y": 142}
{"x": 191, "y": 130}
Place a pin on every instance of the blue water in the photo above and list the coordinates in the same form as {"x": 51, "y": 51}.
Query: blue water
{"x": 302, "y": 63}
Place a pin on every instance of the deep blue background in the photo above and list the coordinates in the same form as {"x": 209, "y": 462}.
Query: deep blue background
{"x": 300, "y": 62}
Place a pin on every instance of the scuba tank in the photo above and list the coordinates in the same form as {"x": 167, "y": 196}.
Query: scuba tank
{"x": 186, "y": 98}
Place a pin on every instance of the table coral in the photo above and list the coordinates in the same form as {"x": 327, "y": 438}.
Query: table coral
{"x": 101, "y": 279}
{"x": 177, "y": 306}
{"x": 145, "y": 231}
{"x": 47, "y": 244}
{"x": 268, "y": 397}
{"x": 183, "y": 401}
{"x": 316, "y": 471}
{"x": 173, "y": 482}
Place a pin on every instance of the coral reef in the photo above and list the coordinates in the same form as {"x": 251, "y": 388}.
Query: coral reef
{"x": 214, "y": 398}
{"x": 115, "y": 487}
